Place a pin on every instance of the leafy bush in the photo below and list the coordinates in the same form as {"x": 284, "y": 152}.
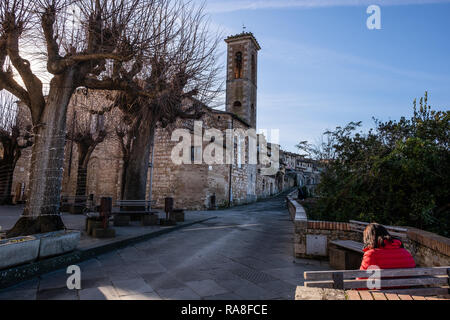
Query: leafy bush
{"x": 398, "y": 173}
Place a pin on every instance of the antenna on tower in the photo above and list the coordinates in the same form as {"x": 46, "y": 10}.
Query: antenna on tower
{"x": 243, "y": 28}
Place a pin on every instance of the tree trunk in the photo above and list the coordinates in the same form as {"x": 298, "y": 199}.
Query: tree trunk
{"x": 80, "y": 191}
{"x": 6, "y": 180}
{"x": 82, "y": 172}
{"x": 81, "y": 181}
{"x": 41, "y": 213}
{"x": 124, "y": 177}
{"x": 137, "y": 167}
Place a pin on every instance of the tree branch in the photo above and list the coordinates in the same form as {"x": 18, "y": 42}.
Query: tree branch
{"x": 32, "y": 83}
{"x": 116, "y": 84}
{"x": 8, "y": 83}
{"x": 54, "y": 64}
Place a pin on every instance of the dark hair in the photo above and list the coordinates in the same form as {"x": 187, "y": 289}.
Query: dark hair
{"x": 375, "y": 235}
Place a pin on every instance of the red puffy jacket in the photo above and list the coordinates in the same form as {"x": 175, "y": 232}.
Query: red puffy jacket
{"x": 391, "y": 256}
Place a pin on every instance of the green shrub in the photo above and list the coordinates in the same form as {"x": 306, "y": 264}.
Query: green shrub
{"x": 398, "y": 173}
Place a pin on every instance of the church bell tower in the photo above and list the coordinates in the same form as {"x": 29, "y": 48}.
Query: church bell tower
{"x": 242, "y": 62}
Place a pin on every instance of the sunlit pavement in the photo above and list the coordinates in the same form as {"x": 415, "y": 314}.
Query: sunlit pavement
{"x": 246, "y": 253}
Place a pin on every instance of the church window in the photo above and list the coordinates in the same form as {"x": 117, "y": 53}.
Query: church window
{"x": 238, "y": 65}
{"x": 237, "y": 104}
{"x": 253, "y": 68}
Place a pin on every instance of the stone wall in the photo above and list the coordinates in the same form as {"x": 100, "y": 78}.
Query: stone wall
{"x": 311, "y": 238}
{"x": 428, "y": 249}
{"x": 193, "y": 186}
{"x": 21, "y": 176}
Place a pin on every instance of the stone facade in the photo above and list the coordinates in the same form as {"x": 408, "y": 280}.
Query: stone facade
{"x": 305, "y": 171}
{"x": 242, "y": 62}
{"x": 201, "y": 186}
{"x": 428, "y": 249}
{"x": 195, "y": 186}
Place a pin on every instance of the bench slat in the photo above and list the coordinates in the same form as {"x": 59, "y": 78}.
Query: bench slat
{"x": 384, "y": 283}
{"x": 349, "y": 244}
{"x": 350, "y": 274}
{"x": 359, "y": 223}
{"x": 392, "y": 233}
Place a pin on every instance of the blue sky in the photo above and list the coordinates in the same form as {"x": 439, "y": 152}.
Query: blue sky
{"x": 320, "y": 67}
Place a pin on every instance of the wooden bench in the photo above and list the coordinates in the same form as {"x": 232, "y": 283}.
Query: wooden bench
{"x": 423, "y": 282}
{"x": 76, "y": 204}
{"x": 359, "y": 226}
{"x": 347, "y": 254}
{"x": 126, "y": 210}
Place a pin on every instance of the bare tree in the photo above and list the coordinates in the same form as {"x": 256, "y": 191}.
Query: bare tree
{"x": 15, "y": 136}
{"x": 89, "y": 124}
{"x": 182, "y": 66}
{"x": 86, "y": 42}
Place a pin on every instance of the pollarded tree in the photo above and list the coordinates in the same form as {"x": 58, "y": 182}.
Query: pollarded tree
{"x": 182, "y": 66}
{"x": 90, "y": 123}
{"x": 85, "y": 42}
{"x": 15, "y": 136}
{"x": 124, "y": 135}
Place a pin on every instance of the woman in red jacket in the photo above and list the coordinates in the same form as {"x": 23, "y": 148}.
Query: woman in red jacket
{"x": 383, "y": 250}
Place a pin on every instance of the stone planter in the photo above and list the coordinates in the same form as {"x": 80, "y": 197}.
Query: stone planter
{"x": 77, "y": 208}
{"x": 121, "y": 220}
{"x": 58, "y": 242}
{"x": 164, "y": 222}
{"x": 103, "y": 233}
{"x": 92, "y": 224}
{"x": 178, "y": 215}
{"x": 19, "y": 250}
{"x": 149, "y": 219}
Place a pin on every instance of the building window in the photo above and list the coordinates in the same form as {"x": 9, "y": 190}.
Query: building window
{"x": 253, "y": 68}
{"x": 238, "y": 65}
{"x": 239, "y": 152}
{"x": 237, "y": 104}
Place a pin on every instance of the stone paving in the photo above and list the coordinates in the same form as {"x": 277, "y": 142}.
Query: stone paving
{"x": 245, "y": 253}
{"x": 10, "y": 214}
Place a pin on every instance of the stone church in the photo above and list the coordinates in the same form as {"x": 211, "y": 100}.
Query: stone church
{"x": 196, "y": 186}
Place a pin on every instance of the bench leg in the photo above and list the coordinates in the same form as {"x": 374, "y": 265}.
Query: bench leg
{"x": 149, "y": 219}
{"x": 121, "y": 220}
{"x": 337, "y": 258}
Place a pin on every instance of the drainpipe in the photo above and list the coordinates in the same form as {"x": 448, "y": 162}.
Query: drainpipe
{"x": 151, "y": 169}
{"x": 231, "y": 126}
{"x": 71, "y": 144}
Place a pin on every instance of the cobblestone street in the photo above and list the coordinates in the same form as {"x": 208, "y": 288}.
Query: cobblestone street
{"x": 245, "y": 253}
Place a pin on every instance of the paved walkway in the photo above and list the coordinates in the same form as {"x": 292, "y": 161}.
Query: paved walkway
{"x": 10, "y": 214}
{"x": 245, "y": 253}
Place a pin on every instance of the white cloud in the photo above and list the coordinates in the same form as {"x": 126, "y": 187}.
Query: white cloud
{"x": 215, "y": 6}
